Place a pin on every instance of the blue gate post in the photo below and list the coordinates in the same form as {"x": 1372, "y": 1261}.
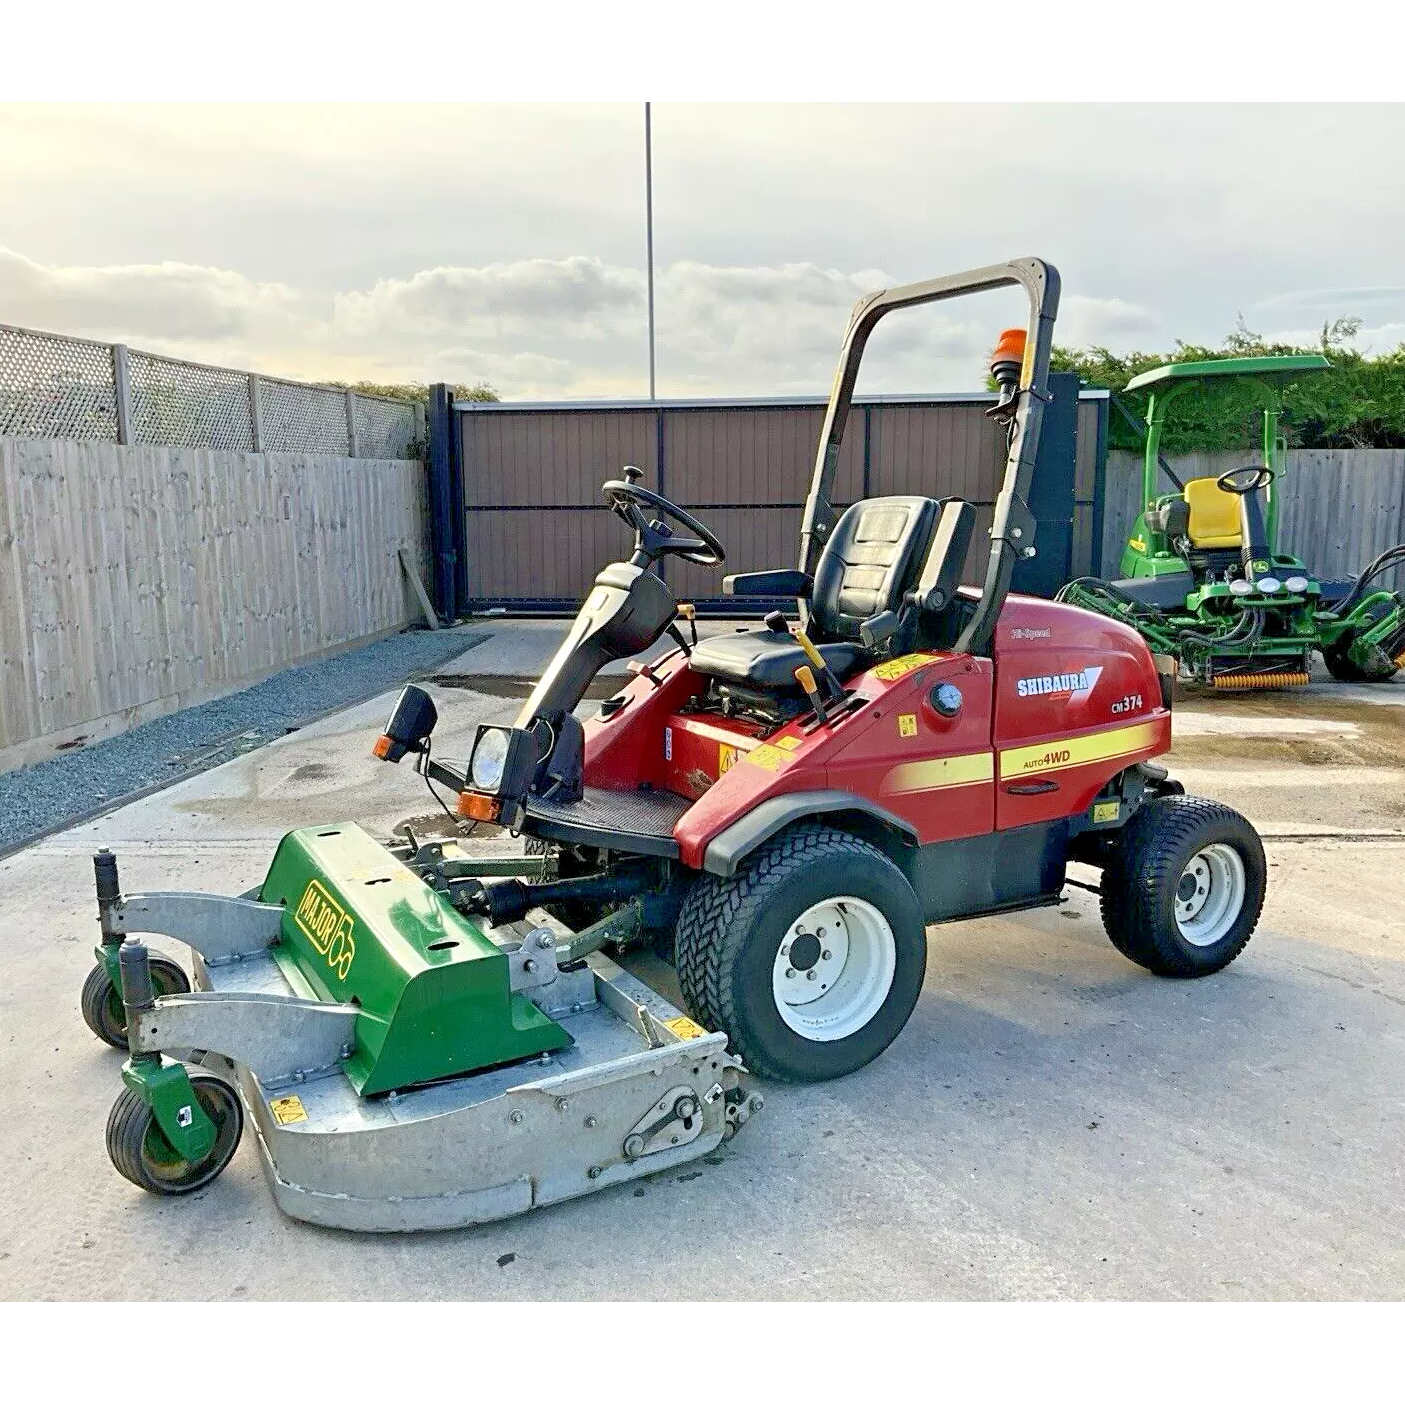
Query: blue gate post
{"x": 457, "y": 514}
{"x": 440, "y": 421}
{"x": 1051, "y": 496}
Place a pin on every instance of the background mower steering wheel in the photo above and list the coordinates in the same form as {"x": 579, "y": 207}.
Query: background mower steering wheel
{"x": 1262, "y": 477}
{"x": 627, "y": 501}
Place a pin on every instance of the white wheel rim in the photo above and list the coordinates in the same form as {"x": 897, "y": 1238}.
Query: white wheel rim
{"x": 1209, "y": 894}
{"x": 834, "y": 968}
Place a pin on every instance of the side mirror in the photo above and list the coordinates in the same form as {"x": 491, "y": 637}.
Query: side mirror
{"x": 409, "y": 727}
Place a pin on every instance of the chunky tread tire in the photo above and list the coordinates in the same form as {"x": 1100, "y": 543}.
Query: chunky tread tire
{"x": 1345, "y": 671}
{"x": 101, "y": 1002}
{"x": 130, "y": 1121}
{"x": 729, "y": 930}
{"x": 1139, "y": 884}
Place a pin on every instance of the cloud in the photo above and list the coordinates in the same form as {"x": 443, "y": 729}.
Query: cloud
{"x": 1085, "y": 321}
{"x": 574, "y": 326}
{"x": 1333, "y": 301}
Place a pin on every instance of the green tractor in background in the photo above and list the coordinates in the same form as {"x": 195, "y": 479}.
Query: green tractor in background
{"x": 1203, "y": 578}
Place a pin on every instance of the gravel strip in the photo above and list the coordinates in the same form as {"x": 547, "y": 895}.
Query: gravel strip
{"x": 78, "y": 784}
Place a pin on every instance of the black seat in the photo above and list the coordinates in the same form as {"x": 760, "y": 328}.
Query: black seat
{"x": 876, "y": 549}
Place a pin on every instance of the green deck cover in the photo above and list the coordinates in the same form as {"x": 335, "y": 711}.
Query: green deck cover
{"x": 363, "y": 928}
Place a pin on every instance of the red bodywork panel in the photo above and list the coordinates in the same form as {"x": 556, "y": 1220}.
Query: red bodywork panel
{"x": 1068, "y": 700}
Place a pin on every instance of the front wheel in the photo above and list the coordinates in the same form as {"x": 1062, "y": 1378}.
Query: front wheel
{"x": 101, "y": 1001}
{"x": 1183, "y": 890}
{"x": 811, "y": 957}
{"x": 139, "y": 1150}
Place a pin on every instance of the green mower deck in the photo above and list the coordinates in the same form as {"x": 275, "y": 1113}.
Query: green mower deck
{"x": 403, "y": 1066}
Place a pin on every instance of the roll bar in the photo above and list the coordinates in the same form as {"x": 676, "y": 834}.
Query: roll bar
{"x": 1012, "y": 532}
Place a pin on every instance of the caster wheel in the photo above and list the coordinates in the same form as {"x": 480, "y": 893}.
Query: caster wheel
{"x": 140, "y": 1152}
{"x": 102, "y": 1001}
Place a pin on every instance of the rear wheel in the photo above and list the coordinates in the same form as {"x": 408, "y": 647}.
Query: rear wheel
{"x": 811, "y": 957}
{"x": 1183, "y": 891}
{"x": 101, "y": 1001}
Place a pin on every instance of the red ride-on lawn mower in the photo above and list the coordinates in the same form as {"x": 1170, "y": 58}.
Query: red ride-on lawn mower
{"x": 782, "y": 812}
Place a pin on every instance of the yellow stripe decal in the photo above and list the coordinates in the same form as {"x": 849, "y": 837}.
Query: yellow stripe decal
{"x": 944, "y": 771}
{"x": 1077, "y": 751}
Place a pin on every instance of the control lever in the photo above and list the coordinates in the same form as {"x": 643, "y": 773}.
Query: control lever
{"x": 810, "y": 688}
{"x": 777, "y": 622}
{"x": 689, "y": 613}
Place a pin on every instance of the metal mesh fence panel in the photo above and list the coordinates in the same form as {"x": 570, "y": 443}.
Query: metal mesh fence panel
{"x": 302, "y": 419}
{"x": 55, "y": 388}
{"x": 177, "y": 402}
{"x": 385, "y": 429}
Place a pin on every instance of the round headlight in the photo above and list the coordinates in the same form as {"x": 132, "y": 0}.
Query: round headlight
{"x": 1240, "y": 587}
{"x": 1297, "y": 584}
{"x": 1268, "y": 584}
{"x": 489, "y": 756}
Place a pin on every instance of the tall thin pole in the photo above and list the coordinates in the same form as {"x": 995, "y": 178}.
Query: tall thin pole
{"x": 649, "y": 232}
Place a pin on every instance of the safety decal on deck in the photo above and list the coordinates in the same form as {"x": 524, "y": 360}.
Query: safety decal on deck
{"x": 685, "y": 1028}
{"x": 769, "y": 758}
{"x": 789, "y": 743}
{"x": 907, "y": 724}
{"x": 1106, "y": 810}
{"x": 726, "y": 758}
{"x": 900, "y": 668}
{"x": 286, "y": 1110}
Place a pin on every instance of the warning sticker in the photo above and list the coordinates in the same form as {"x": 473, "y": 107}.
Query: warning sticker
{"x": 289, "y": 1109}
{"x": 789, "y": 743}
{"x": 685, "y": 1028}
{"x": 900, "y": 668}
{"x": 726, "y": 758}
{"x": 769, "y": 758}
{"x": 907, "y": 724}
{"x": 1105, "y": 810}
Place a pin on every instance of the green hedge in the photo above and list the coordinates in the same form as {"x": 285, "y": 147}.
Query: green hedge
{"x": 1358, "y": 404}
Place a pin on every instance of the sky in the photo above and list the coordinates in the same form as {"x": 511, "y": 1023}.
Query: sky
{"x": 506, "y": 242}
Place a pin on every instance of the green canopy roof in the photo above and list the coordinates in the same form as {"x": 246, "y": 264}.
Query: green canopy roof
{"x": 1175, "y": 371}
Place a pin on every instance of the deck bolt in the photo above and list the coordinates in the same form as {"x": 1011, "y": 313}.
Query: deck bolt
{"x": 546, "y": 941}
{"x": 515, "y": 1118}
{"x": 674, "y": 1140}
{"x": 529, "y": 965}
{"x": 590, "y": 1122}
{"x": 595, "y": 1172}
{"x": 563, "y": 1104}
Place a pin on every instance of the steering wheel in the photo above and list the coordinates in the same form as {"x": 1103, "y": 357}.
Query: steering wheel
{"x": 652, "y": 538}
{"x": 1230, "y": 482}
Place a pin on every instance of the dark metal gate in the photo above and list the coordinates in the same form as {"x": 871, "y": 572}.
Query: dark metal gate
{"x": 519, "y": 522}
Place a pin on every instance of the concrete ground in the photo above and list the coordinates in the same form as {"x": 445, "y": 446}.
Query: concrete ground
{"x": 1053, "y": 1123}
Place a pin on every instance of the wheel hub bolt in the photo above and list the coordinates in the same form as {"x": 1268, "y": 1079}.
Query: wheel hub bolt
{"x": 824, "y": 956}
{"x": 812, "y": 974}
{"x": 790, "y": 973}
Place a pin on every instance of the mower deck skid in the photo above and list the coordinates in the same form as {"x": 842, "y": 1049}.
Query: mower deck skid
{"x": 493, "y": 1144}
{"x": 624, "y": 1086}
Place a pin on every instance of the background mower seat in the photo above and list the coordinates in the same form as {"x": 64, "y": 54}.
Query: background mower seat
{"x": 875, "y": 550}
{"x": 1214, "y": 515}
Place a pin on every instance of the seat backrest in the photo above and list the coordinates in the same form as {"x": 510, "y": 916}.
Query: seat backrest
{"x": 1214, "y": 514}
{"x": 869, "y": 562}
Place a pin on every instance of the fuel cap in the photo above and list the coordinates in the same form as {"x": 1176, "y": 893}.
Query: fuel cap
{"x": 946, "y": 698}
